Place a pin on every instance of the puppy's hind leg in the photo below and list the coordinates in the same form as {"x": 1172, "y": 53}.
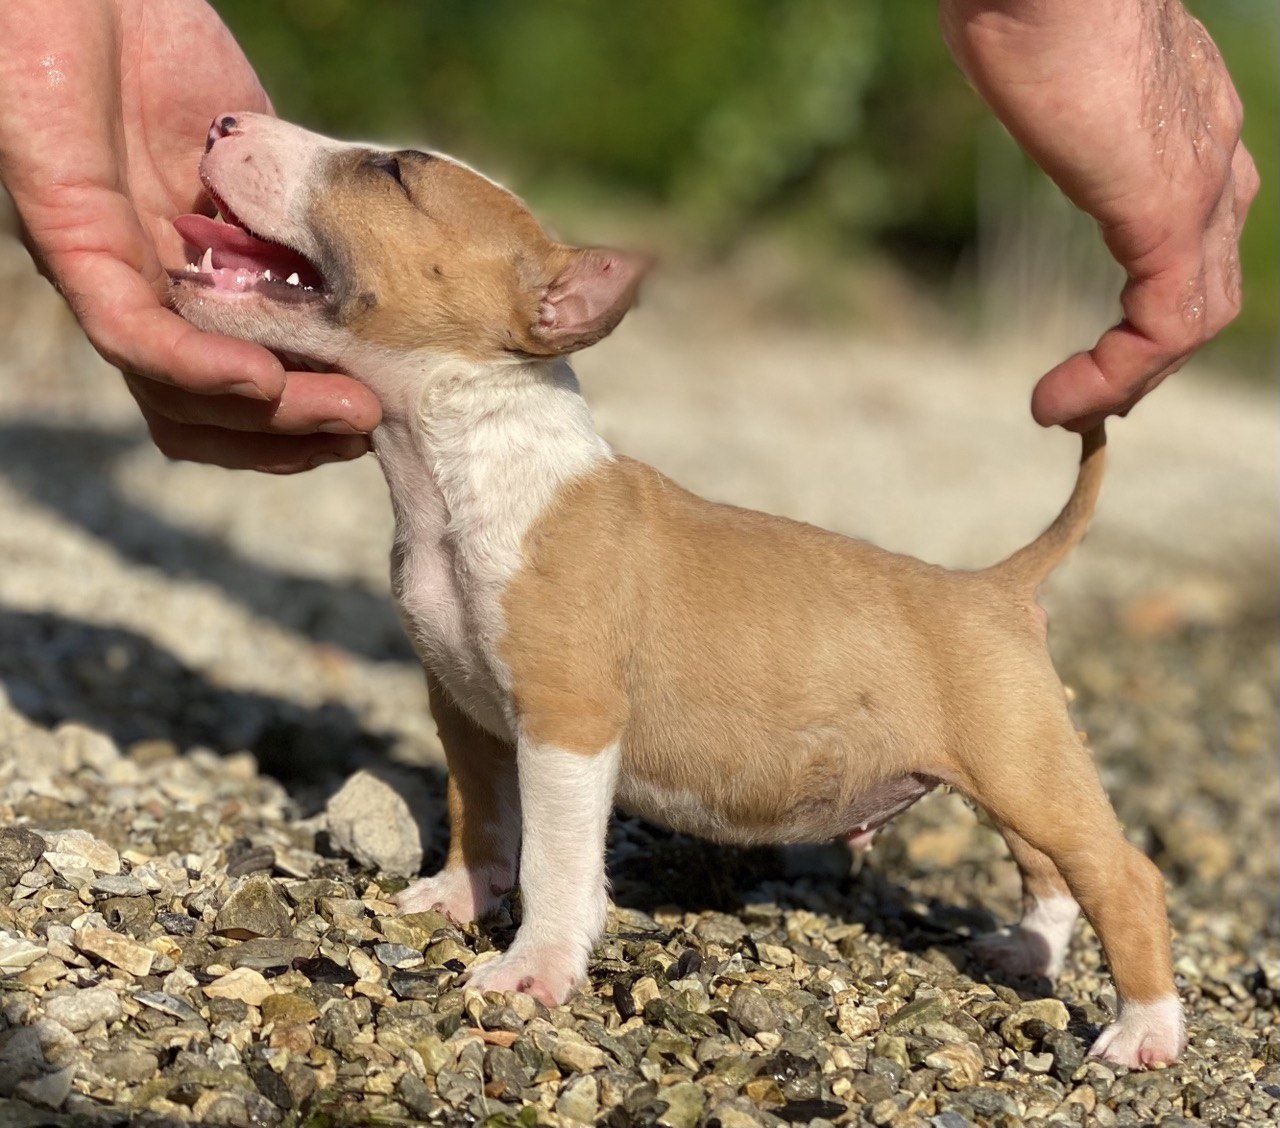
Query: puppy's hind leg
{"x": 484, "y": 819}
{"x": 1036, "y": 945}
{"x": 1047, "y": 792}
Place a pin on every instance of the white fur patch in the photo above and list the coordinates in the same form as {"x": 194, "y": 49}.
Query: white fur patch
{"x": 473, "y": 455}
{"x": 1038, "y": 944}
{"x": 1145, "y": 1036}
{"x": 565, "y": 799}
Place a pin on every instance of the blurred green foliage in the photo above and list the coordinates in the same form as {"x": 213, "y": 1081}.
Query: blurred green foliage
{"x": 842, "y": 118}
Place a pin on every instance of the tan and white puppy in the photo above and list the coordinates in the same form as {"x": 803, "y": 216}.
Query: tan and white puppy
{"x": 594, "y": 634}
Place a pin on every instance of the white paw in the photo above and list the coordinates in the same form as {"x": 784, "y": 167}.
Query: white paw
{"x": 1018, "y": 951}
{"x": 1145, "y": 1036}
{"x": 1037, "y": 945}
{"x": 462, "y": 895}
{"x": 545, "y": 973}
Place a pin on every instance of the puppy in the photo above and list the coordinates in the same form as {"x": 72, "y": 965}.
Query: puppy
{"x": 594, "y": 634}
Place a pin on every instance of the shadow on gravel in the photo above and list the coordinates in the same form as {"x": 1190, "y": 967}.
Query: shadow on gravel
{"x": 69, "y": 469}
{"x": 56, "y": 669}
{"x": 698, "y": 876}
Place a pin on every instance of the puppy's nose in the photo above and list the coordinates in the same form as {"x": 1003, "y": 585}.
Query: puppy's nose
{"x": 221, "y": 127}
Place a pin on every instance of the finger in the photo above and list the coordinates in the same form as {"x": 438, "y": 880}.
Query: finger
{"x": 239, "y": 450}
{"x": 127, "y": 324}
{"x": 312, "y": 402}
{"x": 1164, "y": 322}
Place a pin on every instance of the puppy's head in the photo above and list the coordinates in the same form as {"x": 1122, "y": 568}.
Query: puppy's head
{"x": 326, "y": 247}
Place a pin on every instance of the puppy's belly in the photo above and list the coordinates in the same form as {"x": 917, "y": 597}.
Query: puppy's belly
{"x": 725, "y": 817}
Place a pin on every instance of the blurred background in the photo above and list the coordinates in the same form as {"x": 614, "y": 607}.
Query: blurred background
{"x": 861, "y": 281}
{"x": 837, "y": 132}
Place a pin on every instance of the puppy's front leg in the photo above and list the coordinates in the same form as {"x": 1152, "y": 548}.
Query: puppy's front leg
{"x": 565, "y": 800}
{"x": 484, "y": 819}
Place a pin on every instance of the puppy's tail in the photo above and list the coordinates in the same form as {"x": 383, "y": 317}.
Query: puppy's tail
{"x": 1029, "y": 566}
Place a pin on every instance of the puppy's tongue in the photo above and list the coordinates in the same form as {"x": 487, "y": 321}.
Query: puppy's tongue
{"x": 234, "y": 248}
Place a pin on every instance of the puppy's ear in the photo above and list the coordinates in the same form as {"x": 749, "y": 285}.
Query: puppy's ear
{"x": 590, "y": 290}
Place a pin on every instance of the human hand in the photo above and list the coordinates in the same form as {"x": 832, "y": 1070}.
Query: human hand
{"x": 1128, "y": 106}
{"x": 107, "y": 104}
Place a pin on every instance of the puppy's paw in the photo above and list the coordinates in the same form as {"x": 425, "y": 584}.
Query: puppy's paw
{"x": 1145, "y": 1036}
{"x": 463, "y": 895}
{"x": 1035, "y": 946}
{"x": 544, "y": 973}
{"x": 1017, "y": 951}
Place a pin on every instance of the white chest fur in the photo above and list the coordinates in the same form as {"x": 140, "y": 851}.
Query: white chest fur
{"x": 472, "y": 458}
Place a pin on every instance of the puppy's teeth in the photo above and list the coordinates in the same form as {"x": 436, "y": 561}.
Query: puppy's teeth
{"x": 266, "y": 276}
{"x": 206, "y": 262}
{"x": 293, "y": 279}
{"x": 191, "y": 268}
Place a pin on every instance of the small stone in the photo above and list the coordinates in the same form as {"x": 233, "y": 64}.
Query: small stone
{"x": 855, "y": 1021}
{"x": 79, "y": 1009}
{"x": 168, "y": 1004}
{"x": 445, "y": 951}
{"x": 1037, "y": 1063}
{"x": 1045, "y": 1012}
{"x": 116, "y": 950}
{"x": 96, "y": 854}
{"x": 49, "y": 1090}
{"x": 959, "y": 1063}
{"x": 579, "y": 1100}
{"x": 644, "y": 990}
{"x": 684, "y": 1103}
{"x": 83, "y": 747}
{"x": 256, "y": 908}
{"x": 576, "y": 1056}
{"x": 243, "y": 984}
{"x": 177, "y": 924}
{"x": 916, "y": 1013}
{"x": 266, "y": 953}
{"x": 17, "y": 953}
{"x": 118, "y": 885}
{"x": 751, "y": 1009}
{"x": 370, "y": 821}
{"x": 735, "y": 1114}
{"x": 20, "y": 849}
{"x": 413, "y": 930}
{"x": 129, "y": 1066}
{"x": 288, "y": 1008}
{"x": 397, "y": 955}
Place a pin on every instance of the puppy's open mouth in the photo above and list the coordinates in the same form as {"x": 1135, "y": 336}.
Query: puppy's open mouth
{"x": 224, "y": 255}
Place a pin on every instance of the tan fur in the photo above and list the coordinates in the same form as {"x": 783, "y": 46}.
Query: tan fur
{"x": 779, "y": 672}
{"x": 457, "y": 261}
{"x": 1031, "y": 565}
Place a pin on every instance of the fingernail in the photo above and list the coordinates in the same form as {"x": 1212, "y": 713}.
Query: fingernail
{"x": 252, "y": 391}
{"x": 338, "y": 427}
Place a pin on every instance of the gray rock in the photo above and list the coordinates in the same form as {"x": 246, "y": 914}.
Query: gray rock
{"x": 168, "y": 1004}
{"x": 256, "y": 908}
{"x": 370, "y": 821}
{"x": 752, "y": 1010}
{"x": 264, "y": 953}
{"x": 118, "y": 885}
{"x": 79, "y": 1009}
{"x": 49, "y": 1090}
{"x": 83, "y": 747}
{"x": 130, "y": 1066}
{"x": 20, "y": 849}
{"x": 96, "y": 854}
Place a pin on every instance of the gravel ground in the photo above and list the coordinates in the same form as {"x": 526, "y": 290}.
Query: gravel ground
{"x": 194, "y": 664}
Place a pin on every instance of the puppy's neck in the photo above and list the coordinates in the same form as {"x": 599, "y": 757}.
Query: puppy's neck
{"x": 474, "y": 451}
